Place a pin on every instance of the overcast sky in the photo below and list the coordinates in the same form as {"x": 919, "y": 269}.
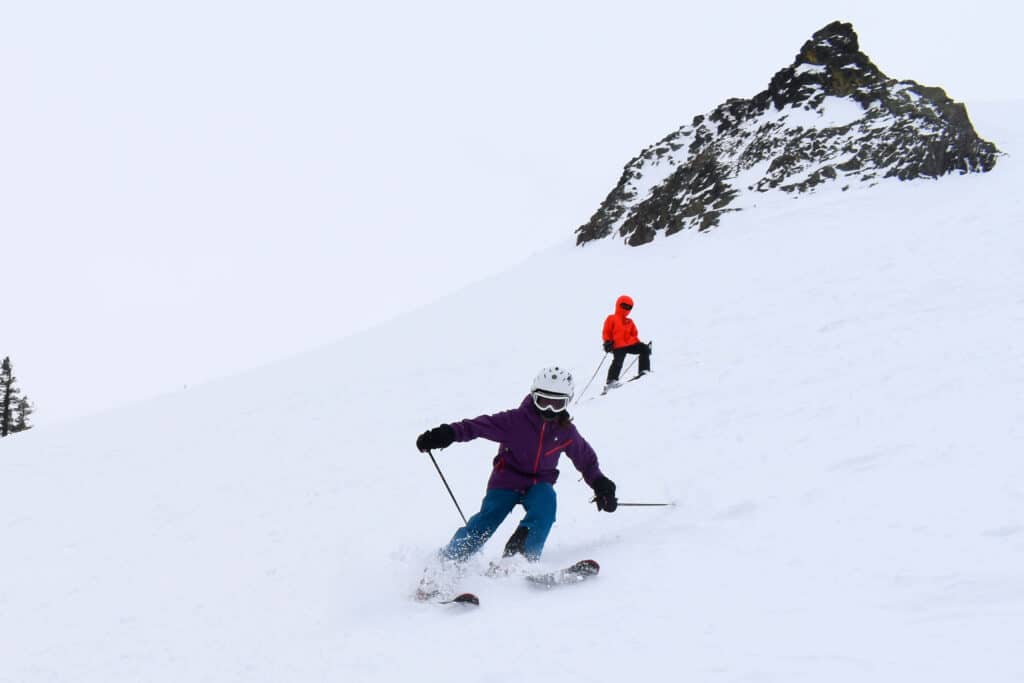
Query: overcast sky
{"x": 192, "y": 188}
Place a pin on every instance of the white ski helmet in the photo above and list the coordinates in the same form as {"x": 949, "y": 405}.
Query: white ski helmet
{"x": 552, "y": 389}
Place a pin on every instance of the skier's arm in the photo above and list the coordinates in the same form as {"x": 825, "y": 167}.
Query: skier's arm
{"x": 491, "y": 427}
{"x": 606, "y": 332}
{"x": 584, "y": 459}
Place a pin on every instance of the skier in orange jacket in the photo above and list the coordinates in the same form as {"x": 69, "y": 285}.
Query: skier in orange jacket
{"x": 620, "y": 337}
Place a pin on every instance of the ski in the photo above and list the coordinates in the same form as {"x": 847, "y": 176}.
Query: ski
{"x": 468, "y": 599}
{"x": 462, "y": 599}
{"x": 581, "y": 571}
{"x": 619, "y": 383}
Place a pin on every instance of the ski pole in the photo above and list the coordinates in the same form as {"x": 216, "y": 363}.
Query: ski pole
{"x": 592, "y": 377}
{"x": 640, "y": 505}
{"x": 447, "y": 487}
{"x": 647, "y": 505}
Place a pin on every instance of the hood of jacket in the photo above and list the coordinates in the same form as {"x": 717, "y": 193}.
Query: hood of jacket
{"x": 619, "y": 310}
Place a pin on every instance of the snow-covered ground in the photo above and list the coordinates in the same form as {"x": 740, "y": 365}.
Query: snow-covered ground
{"x": 836, "y": 410}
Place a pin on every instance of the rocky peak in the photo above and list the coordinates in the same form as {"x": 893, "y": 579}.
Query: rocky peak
{"x": 830, "y": 63}
{"x": 831, "y": 116}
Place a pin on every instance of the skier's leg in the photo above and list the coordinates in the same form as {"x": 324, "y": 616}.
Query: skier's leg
{"x": 470, "y": 538}
{"x": 645, "y": 358}
{"x": 516, "y": 542}
{"x": 541, "y": 504}
{"x": 618, "y": 356}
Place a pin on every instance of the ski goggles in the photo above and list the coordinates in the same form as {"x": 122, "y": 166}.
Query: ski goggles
{"x": 551, "y": 402}
{"x": 628, "y": 307}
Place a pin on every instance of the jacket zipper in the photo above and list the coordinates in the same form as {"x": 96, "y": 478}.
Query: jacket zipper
{"x": 540, "y": 445}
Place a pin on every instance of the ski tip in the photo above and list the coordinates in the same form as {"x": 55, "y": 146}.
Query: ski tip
{"x": 464, "y": 599}
{"x": 587, "y": 567}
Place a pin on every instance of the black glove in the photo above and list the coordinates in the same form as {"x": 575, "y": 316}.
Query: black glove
{"x": 608, "y": 346}
{"x": 604, "y": 494}
{"x": 438, "y": 437}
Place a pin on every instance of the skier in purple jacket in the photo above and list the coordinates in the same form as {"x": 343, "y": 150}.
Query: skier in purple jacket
{"x": 530, "y": 440}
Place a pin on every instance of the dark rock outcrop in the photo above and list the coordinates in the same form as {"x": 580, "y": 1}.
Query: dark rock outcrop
{"x": 830, "y": 117}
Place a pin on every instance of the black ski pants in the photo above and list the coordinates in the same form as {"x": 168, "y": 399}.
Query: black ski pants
{"x": 619, "y": 355}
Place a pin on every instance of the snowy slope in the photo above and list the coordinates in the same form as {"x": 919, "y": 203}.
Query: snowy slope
{"x": 836, "y": 409}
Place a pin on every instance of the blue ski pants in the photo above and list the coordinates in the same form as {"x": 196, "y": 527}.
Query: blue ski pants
{"x": 540, "y": 504}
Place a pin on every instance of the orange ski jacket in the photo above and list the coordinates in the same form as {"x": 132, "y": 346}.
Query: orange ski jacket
{"x": 618, "y": 328}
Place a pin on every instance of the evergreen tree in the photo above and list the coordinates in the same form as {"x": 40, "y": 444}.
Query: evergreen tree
{"x": 23, "y": 412}
{"x": 10, "y": 396}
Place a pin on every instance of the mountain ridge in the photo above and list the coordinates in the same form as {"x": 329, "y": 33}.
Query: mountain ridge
{"x": 831, "y": 116}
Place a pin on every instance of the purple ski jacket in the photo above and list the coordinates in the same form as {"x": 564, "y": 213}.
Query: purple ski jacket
{"x": 528, "y": 447}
